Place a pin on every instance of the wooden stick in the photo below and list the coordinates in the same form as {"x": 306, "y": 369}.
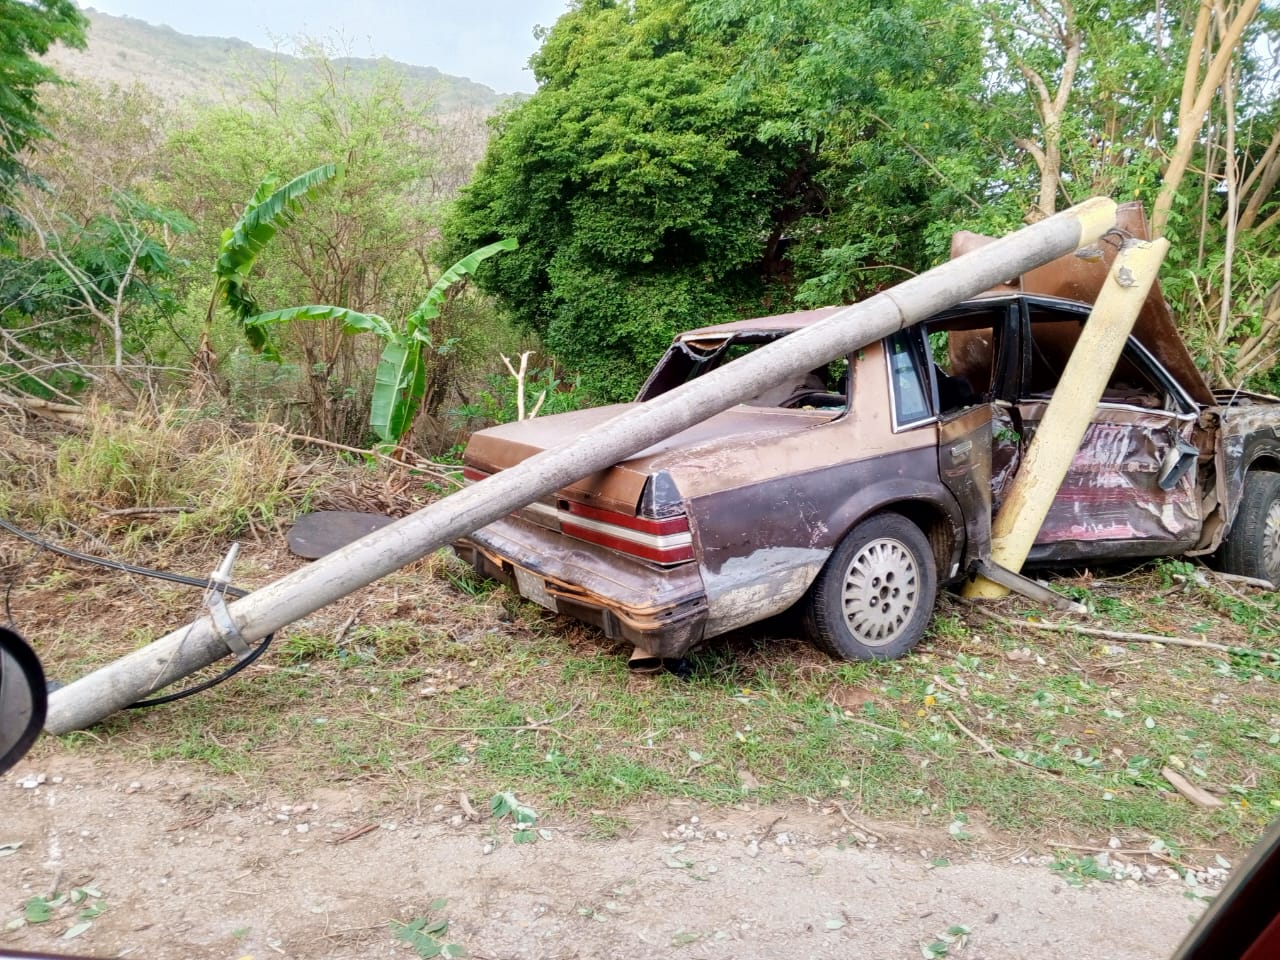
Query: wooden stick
{"x": 989, "y": 749}
{"x": 359, "y": 831}
{"x": 860, "y": 827}
{"x": 1240, "y": 578}
{"x": 1128, "y": 637}
{"x": 419, "y": 463}
{"x": 467, "y": 809}
{"x": 1127, "y": 851}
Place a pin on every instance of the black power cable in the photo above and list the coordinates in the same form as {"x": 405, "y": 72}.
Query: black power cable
{"x": 120, "y": 565}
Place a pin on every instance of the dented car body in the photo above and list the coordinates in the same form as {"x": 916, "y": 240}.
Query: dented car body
{"x": 855, "y": 493}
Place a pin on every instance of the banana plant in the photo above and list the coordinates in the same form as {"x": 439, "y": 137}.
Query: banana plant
{"x": 401, "y": 378}
{"x": 268, "y": 210}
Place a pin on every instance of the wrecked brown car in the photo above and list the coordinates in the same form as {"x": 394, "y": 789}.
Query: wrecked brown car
{"x": 855, "y": 493}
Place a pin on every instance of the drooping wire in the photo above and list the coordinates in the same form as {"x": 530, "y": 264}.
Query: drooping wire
{"x": 124, "y": 567}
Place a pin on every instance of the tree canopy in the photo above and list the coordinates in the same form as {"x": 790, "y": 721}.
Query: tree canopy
{"x": 680, "y": 160}
{"x": 690, "y": 161}
{"x": 27, "y": 29}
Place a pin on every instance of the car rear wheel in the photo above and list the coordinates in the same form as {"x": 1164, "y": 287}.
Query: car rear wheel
{"x": 874, "y": 597}
{"x": 1252, "y": 548}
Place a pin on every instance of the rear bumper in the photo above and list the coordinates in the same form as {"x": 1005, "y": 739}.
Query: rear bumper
{"x": 659, "y": 610}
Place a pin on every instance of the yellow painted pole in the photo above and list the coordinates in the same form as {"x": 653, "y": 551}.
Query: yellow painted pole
{"x": 1049, "y": 455}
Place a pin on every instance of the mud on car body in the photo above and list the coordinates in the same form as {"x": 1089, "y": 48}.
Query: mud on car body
{"x": 854, "y": 493}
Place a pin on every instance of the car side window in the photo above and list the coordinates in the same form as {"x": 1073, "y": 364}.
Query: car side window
{"x": 907, "y": 382}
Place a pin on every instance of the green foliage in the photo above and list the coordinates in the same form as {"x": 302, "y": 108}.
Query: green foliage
{"x": 269, "y": 209}
{"x": 673, "y": 171}
{"x": 496, "y": 402}
{"x": 523, "y": 817}
{"x": 400, "y": 380}
{"x": 424, "y": 935}
{"x": 28, "y": 28}
{"x": 90, "y": 288}
{"x": 363, "y": 244}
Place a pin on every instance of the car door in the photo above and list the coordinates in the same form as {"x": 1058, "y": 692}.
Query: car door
{"x": 1131, "y": 489}
{"x": 921, "y": 390}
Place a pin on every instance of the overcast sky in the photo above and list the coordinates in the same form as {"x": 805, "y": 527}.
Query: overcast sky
{"x": 486, "y": 40}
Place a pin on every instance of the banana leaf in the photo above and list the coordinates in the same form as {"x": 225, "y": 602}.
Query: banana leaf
{"x": 430, "y": 307}
{"x": 398, "y": 386}
{"x": 352, "y": 321}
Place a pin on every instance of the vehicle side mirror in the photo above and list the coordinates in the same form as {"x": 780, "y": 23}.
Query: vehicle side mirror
{"x": 23, "y": 699}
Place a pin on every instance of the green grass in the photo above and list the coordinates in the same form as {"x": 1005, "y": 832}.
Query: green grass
{"x": 443, "y": 685}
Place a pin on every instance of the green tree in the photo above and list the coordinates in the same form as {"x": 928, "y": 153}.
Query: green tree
{"x": 363, "y": 245}
{"x": 85, "y": 296}
{"x": 688, "y": 162}
{"x": 634, "y": 181}
{"x": 885, "y": 99}
{"x": 27, "y": 29}
{"x": 408, "y": 348}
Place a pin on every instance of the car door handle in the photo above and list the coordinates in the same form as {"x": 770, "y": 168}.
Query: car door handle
{"x": 960, "y": 452}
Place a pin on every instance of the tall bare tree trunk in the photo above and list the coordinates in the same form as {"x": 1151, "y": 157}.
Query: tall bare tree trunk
{"x": 1197, "y": 95}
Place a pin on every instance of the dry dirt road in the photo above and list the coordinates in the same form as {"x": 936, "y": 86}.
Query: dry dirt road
{"x": 191, "y": 867}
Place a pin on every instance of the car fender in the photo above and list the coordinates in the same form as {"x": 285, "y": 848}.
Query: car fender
{"x": 768, "y": 569}
{"x": 1248, "y": 440}
{"x": 924, "y": 502}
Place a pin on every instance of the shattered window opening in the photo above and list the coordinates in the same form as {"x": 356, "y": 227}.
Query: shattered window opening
{"x": 823, "y": 388}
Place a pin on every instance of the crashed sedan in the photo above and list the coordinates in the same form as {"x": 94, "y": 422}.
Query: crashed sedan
{"x": 854, "y": 492}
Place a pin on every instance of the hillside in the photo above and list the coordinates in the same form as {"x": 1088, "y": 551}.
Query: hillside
{"x": 176, "y": 66}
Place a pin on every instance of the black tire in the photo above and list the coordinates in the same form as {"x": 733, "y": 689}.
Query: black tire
{"x": 1252, "y": 547}
{"x": 874, "y": 598}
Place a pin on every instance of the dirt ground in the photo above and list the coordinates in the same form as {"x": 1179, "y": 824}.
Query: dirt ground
{"x": 204, "y": 867}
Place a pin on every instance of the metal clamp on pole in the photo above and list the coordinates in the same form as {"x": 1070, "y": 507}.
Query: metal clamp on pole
{"x": 215, "y": 601}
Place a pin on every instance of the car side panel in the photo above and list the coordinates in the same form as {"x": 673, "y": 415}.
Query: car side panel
{"x": 1249, "y": 434}
{"x": 760, "y": 547}
{"x": 1110, "y": 503}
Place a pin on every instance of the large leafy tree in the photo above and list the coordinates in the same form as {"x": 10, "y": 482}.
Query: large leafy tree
{"x": 636, "y": 186}
{"x": 27, "y": 29}
{"x": 681, "y": 160}
{"x": 885, "y": 100}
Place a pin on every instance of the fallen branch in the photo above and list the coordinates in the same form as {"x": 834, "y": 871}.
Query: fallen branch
{"x": 426, "y": 466}
{"x": 356, "y": 833}
{"x": 1240, "y": 578}
{"x": 1054, "y": 627}
{"x": 1126, "y": 851}
{"x": 467, "y": 809}
{"x": 861, "y": 828}
{"x": 65, "y": 412}
{"x": 987, "y": 748}
{"x": 983, "y": 746}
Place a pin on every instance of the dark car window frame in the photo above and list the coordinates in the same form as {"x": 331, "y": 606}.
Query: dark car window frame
{"x": 911, "y": 344}
{"x": 1004, "y": 318}
{"x": 1134, "y": 352}
{"x": 688, "y": 359}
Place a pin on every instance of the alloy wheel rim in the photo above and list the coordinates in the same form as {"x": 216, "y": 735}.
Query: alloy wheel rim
{"x": 881, "y": 591}
{"x": 1271, "y": 541}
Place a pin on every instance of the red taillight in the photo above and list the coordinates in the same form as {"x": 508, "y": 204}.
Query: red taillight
{"x": 661, "y": 541}
{"x": 665, "y": 541}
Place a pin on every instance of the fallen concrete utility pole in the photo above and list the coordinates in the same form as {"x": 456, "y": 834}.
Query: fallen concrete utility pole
{"x": 1067, "y": 417}
{"x": 266, "y": 610}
